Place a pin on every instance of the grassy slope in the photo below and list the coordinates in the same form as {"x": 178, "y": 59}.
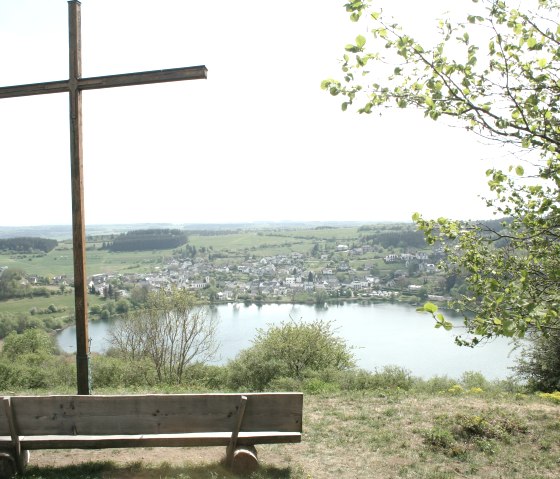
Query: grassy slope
{"x": 368, "y": 435}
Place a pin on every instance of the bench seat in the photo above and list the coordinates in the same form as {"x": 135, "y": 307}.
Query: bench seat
{"x": 152, "y": 440}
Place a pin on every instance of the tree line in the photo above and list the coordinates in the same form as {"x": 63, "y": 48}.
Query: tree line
{"x": 400, "y": 239}
{"x": 145, "y": 240}
{"x": 27, "y": 244}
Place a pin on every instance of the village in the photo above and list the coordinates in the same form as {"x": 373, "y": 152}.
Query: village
{"x": 346, "y": 272}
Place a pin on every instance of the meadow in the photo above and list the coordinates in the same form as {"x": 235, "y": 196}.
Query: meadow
{"x": 371, "y": 434}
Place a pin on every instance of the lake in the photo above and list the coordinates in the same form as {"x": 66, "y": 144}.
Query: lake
{"x": 381, "y": 334}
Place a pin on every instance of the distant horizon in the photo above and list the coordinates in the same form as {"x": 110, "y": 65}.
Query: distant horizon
{"x": 64, "y": 231}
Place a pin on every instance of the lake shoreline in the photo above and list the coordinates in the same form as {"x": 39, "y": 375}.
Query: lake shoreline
{"x": 380, "y": 333}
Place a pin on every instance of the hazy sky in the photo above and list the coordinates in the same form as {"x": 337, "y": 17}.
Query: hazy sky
{"x": 257, "y": 141}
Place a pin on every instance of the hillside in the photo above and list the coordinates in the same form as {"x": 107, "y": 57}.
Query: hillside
{"x": 375, "y": 435}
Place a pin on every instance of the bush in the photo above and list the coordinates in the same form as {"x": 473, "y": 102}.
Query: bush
{"x": 388, "y": 378}
{"x": 204, "y": 376}
{"x": 290, "y": 350}
{"x": 474, "y": 380}
{"x": 115, "y": 372}
{"x": 437, "y": 384}
{"x": 31, "y": 341}
{"x": 539, "y": 363}
{"x": 122, "y": 306}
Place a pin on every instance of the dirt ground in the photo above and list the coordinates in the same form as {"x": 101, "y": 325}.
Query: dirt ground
{"x": 273, "y": 455}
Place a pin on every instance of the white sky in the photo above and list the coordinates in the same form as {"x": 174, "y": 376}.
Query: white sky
{"x": 257, "y": 141}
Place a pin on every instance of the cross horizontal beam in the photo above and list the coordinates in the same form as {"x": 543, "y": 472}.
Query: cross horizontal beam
{"x": 108, "y": 81}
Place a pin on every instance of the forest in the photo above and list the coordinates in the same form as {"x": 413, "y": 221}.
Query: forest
{"x": 149, "y": 239}
{"x": 28, "y": 244}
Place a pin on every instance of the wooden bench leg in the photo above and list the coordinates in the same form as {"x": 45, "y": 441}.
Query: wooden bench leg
{"x": 245, "y": 460}
{"x": 241, "y": 459}
{"x": 21, "y": 457}
{"x": 235, "y": 433}
{"x": 8, "y": 466}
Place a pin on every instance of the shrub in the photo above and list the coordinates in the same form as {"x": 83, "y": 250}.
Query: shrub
{"x": 114, "y": 372}
{"x": 289, "y": 350}
{"x": 539, "y": 363}
{"x": 388, "y": 378}
{"x": 31, "y": 341}
{"x": 474, "y": 380}
{"x": 205, "y": 376}
{"x": 456, "y": 435}
{"x": 554, "y": 396}
{"x": 437, "y": 384}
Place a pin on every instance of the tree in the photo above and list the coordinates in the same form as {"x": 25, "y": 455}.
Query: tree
{"x": 315, "y": 250}
{"x": 172, "y": 331}
{"x": 122, "y": 306}
{"x": 32, "y": 341}
{"x": 291, "y": 349}
{"x": 13, "y": 284}
{"x": 497, "y": 74}
{"x": 539, "y": 363}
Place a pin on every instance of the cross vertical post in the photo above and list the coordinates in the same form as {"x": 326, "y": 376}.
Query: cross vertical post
{"x": 77, "y": 180}
{"x": 74, "y": 86}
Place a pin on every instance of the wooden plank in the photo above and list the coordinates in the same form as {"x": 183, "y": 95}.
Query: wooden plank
{"x": 158, "y": 440}
{"x": 4, "y": 425}
{"x": 156, "y": 414}
{"x": 34, "y": 89}
{"x": 107, "y": 81}
{"x": 235, "y": 433}
{"x": 143, "y": 78}
{"x": 77, "y": 189}
{"x": 14, "y": 434}
{"x": 5, "y": 441}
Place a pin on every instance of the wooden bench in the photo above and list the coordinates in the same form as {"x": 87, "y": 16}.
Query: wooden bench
{"x": 237, "y": 421}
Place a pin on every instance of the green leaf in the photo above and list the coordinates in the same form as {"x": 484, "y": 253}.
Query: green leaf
{"x": 360, "y": 41}
{"x": 430, "y": 307}
{"x": 519, "y": 171}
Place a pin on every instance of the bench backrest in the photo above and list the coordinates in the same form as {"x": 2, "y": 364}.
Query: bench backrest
{"x": 152, "y": 414}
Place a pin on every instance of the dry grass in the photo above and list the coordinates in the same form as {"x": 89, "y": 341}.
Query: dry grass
{"x": 398, "y": 435}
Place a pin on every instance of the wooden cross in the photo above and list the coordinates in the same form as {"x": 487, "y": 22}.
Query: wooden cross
{"x": 74, "y": 86}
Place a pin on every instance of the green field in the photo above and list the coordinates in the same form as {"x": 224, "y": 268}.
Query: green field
{"x": 66, "y": 301}
{"x": 235, "y": 245}
{"x": 59, "y": 261}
